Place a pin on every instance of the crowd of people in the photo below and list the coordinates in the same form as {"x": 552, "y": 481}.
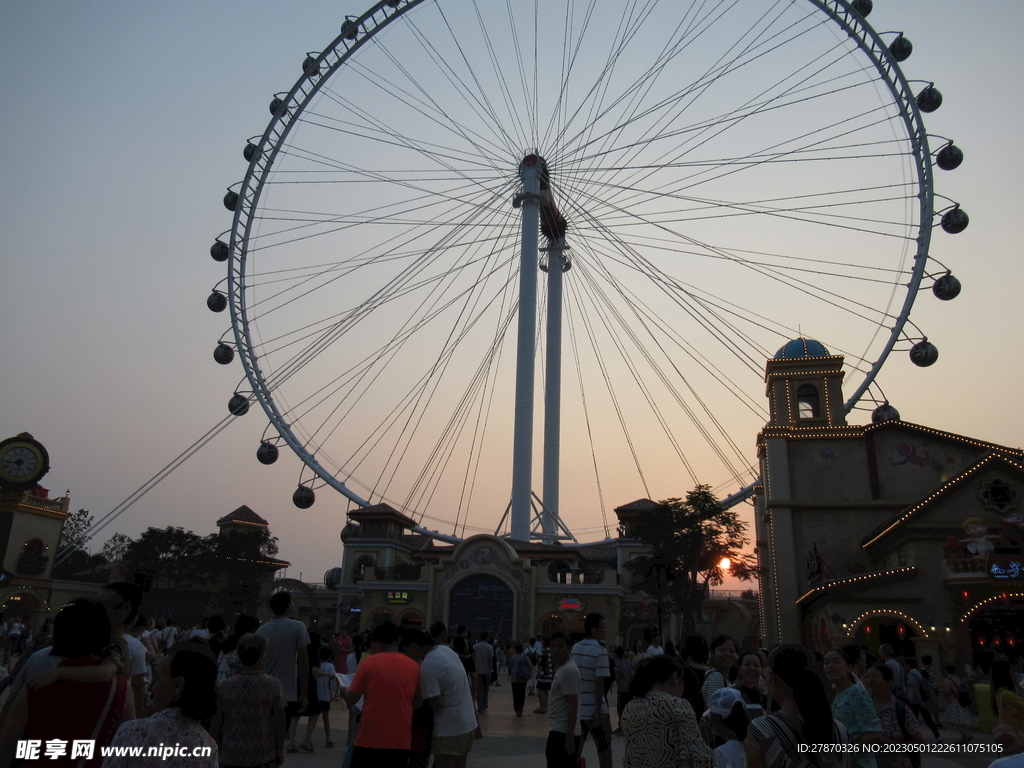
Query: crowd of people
{"x": 105, "y": 673}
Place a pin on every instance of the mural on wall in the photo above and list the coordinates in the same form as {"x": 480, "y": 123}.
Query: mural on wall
{"x": 1003, "y": 548}
{"x": 828, "y": 453}
{"x": 908, "y": 454}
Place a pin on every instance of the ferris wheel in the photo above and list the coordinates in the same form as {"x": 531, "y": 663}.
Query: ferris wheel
{"x": 711, "y": 181}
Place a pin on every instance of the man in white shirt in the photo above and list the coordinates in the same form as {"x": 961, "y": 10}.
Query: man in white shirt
{"x": 170, "y": 635}
{"x": 287, "y": 659}
{"x": 592, "y": 659}
{"x": 654, "y": 649}
{"x": 885, "y": 651}
{"x": 136, "y": 664}
{"x": 445, "y": 686}
{"x": 483, "y": 656}
{"x": 563, "y": 707}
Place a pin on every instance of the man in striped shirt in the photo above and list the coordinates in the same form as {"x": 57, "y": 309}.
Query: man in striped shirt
{"x": 592, "y": 659}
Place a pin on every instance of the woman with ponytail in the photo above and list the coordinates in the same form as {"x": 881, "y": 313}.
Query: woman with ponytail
{"x": 804, "y": 716}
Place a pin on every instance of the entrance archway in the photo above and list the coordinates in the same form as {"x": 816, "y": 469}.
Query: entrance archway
{"x": 483, "y": 603}
{"x": 997, "y": 628}
{"x": 380, "y": 616}
{"x": 898, "y": 631}
{"x": 553, "y": 623}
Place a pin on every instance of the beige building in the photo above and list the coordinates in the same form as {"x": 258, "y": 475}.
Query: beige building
{"x": 511, "y": 589}
{"x": 891, "y": 532}
{"x": 28, "y": 590}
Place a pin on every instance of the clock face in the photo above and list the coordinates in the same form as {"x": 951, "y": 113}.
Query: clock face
{"x": 19, "y": 462}
{"x": 23, "y": 461}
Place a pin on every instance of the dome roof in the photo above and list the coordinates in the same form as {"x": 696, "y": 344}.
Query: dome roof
{"x": 798, "y": 348}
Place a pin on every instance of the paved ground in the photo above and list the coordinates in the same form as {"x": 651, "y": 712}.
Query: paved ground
{"x": 519, "y": 742}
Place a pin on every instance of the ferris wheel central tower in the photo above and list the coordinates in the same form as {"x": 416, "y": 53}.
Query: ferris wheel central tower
{"x": 540, "y": 216}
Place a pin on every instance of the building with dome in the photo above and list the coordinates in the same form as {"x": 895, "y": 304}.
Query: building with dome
{"x": 890, "y": 532}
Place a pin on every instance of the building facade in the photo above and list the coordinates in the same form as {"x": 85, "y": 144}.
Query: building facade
{"x": 891, "y": 532}
{"x": 511, "y": 589}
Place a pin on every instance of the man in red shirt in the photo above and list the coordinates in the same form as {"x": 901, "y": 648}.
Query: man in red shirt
{"x": 388, "y": 681}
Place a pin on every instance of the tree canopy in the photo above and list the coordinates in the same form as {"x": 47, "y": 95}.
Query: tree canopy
{"x": 75, "y": 532}
{"x": 688, "y": 539}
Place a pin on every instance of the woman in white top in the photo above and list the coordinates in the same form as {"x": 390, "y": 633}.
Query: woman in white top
{"x": 723, "y": 662}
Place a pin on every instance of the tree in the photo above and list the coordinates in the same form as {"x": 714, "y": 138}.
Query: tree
{"x": 688, "y": 540}
{"x": 116, "y": 547}
{"x": 75, "y": 532}
{"x": 173, "y": 557}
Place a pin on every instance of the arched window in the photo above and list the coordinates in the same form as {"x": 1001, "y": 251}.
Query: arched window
{"x": 808, "y": 406}
{"x": 359, "y": 570}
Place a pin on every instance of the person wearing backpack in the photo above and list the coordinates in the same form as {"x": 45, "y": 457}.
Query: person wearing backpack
{"x": 522, "y": 671}
{"x": 958, "y": 699}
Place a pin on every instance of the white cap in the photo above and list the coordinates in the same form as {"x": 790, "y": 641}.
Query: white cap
{"x": 722, "y": 701}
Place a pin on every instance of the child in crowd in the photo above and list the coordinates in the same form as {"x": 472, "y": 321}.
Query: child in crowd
{"x": 250, "y": 724}
{"x": 727, "y": 715}
{"x": 326, "y": 689}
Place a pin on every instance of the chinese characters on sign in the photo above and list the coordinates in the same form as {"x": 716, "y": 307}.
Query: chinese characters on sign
{"x": 398, "y": 598}
{"x": 1011, "y": 570}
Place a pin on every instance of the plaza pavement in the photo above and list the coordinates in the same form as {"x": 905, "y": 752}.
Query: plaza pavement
{"x": 518, "y": 742}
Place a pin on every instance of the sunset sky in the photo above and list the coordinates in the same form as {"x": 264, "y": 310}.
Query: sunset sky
{"x": 123, "y": 125}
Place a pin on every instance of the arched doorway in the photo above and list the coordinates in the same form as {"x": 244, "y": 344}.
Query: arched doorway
{"x": 378, "y": 617}
{"x": 897, "y": 631}
{"x": 23, "y": 604}
{"x": 997, "y": 628}
{"x": 411, "y": 619}
{"x": 553, "y": 623}
{"x": 483, "y": 603}
{"x": 641, "y": 631}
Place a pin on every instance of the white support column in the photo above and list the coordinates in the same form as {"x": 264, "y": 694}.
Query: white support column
{"x": 522, "y": 448}
{"x": 553, "y": 389}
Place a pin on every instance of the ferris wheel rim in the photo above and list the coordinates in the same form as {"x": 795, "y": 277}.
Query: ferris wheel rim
{"x": 377, "y": 18}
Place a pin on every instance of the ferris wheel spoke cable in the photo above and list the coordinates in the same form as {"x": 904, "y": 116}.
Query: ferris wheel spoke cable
{"x": 146, "y": 487}
{"x": 329, "y": 337}
{"x": 694, "y": 89}
{"x": 435, "y": 373}
{"x": 414, "y": 389}
{"x": 477, "y": 101}
{"x": 645, "y": 390}
{"x": 644, "y": 266}
{"x": 623, "y": 427}
{"x": 712, "y": 128}
{"x": 580, "y": 380}
{"x": 375, "y": 358}
{"x": 475, "y": 394}
{"x": 611, "y": 311}
{"x": 759, "y": 157}
{"x": 382, "y": 214}
{"x": 832, "y": 298}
